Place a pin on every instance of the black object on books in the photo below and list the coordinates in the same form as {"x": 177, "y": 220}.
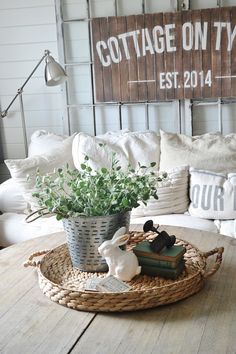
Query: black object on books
{"x": 172, "y": 254}
{"x": 163, "y": 239}
{"x": 163, "y": 272}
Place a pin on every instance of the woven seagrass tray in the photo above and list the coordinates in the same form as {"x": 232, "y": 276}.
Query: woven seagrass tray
{"x": 65, "y": 285}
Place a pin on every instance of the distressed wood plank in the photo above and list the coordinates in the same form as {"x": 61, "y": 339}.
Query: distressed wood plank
{"x": 141, "y": 61}
{"x": 98, "y": 68}
{"x": 225, "y": 56}
{"x": 187, "y": 58}
{"x": 215, "y": 56}
{"x": 179, "y": 88}
{"x": 133, "y": 68}
{"x": 159, "y": 57}
{"x": 115, "y": 69}
{"x": 107, "y": 73}
{"x": 233, "y": 55}
{"x": 124, "y": 68}
{"x": 206, "y": 54}
{"x": 196, "y": 57}
{"x": 150, "y": 61}
{"x": 169, "y": 59}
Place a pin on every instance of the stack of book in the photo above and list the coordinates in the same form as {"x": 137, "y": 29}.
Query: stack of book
{"x": 169, "y": 263}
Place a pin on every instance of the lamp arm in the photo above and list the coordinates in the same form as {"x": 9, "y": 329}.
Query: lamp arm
{"x": 20, "y": 90}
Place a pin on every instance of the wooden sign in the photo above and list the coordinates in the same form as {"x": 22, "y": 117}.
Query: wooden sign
{"x": 162, "y": 56}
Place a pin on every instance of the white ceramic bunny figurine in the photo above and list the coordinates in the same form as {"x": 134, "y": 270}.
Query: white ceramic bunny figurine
{"x": 122, "y": 264}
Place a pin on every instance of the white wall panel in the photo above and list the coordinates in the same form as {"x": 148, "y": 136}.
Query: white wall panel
{"x": 17, "y": 4}
{"x": 160, "y": 5}
{"x": 27, "y": 28}
{"x": 205, "y": 119}
{"x": 36, "y": 85}
{"x": 76, "y": 42}
{"x": 82, "y": 120}
{"x": 229, "y": 118}
{"x": 74, "y": 9}
{"x": 107, "y": 118}
{"x": 79, "y": 84}
{"x": 164, "y": 116}
{"x": 34, "y": 16}
{"x": 28, "y": 34}
{"x": 228, "y": 2}
{"x": 203, "y": 4}
{"x": 13, "y": 151}
{"x": 133, "y": 117}
{"x": 131, "y": 7}
{"x": 101, "y": 8}
{"x": 28, "y": 51}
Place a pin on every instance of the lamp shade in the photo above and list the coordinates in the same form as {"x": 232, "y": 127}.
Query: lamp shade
{"x": 54, "y": 73}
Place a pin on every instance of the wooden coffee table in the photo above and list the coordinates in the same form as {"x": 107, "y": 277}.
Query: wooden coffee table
{"x": 31, "y": 323}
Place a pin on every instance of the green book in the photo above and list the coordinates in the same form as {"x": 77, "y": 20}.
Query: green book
{"x": 156, "y": 263}
{"x": 163, "y": 272}
{"x": 172, "y": 254}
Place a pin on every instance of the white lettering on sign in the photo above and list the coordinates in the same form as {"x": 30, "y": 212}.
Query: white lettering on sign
{"x": 192, "y": 79}
{"x": 161, "y": 39}
{"x": 158, "y": 39}
{"x": 187, "y": 35}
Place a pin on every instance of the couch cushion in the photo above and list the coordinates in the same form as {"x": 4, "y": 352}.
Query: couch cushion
{"x": 178, "y": 220}
{"x": 42, "y": 141}
{"x": 172, "y": 195}
{"x": 213, "y": 152}
{"x": 14, "y": 229}
{"x": 226, "y": 227}
{"x": 212, "y": 195}
{"x": 23, "y": 171}
{"x": 11, "y": 199}
{"x": 130, "y": 147}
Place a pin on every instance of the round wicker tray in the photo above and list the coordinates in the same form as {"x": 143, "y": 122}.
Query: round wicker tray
{"x": 65, "y": 285}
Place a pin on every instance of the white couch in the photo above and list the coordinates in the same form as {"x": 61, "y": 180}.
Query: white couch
{"x": 197, "y": 199}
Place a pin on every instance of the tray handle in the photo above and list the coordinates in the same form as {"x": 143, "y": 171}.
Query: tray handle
{"x": 31, "y": 263}
{"x": 218, "y": 251}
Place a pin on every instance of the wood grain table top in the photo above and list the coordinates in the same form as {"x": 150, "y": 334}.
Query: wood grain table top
{"x": 202, "y": 323}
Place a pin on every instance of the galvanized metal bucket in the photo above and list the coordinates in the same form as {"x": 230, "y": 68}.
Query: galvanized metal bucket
{"x": 85, "y": 234}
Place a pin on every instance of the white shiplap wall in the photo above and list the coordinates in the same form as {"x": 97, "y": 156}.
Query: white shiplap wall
{"x": 27, "y": 28}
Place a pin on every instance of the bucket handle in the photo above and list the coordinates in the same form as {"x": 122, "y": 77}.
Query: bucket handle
{"x": 37, "y": 214}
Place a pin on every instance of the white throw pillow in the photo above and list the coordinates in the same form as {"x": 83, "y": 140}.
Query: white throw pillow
{"x": 172, "y": 195}
{"x": 42, "y": 141}
{"x": 21, "y": 169}
{"x": 213, "y": 152}
{"x": 11, "y": 199}
{"x": 212, "y": 195}
{"x": 130, "y": 147}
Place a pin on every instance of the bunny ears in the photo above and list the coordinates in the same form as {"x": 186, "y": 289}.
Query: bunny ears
{"x": 120, "y": 237}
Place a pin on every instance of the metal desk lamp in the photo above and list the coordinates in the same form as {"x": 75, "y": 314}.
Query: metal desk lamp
{"x": 54, "y": 75}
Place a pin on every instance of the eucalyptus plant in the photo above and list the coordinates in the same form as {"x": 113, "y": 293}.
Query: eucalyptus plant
{"x": 89, "y": 192}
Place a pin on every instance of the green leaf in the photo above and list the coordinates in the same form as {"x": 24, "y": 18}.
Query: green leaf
{"x": 103, "y": 170}
{"x": 90, "y": 192}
